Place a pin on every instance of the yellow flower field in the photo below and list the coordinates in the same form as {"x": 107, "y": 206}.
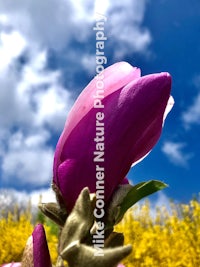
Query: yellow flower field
{"x": 164, "y": 239}
{"x": 167, "y": 240}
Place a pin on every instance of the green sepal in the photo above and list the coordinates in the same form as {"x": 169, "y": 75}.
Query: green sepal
{"x": 79, "y": 221}
{"x": 80, "y": 255}
{"x": 136, "y": 193}
{"x": 54, "y": 212}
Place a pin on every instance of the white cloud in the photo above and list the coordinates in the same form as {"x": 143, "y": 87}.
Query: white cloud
{"x": 126, "y": 32}
{"x": 26, "y": 94}
{"x": 8, "y": 51}
{"x": 28, "y": 160}
{"x": 43, "y": 195}
{"x": 192, "y": 114}
{"x": 44, "y": 22}
{"x": 51, "y": 106}
{"x": 101, "y": 6}
{"x": 55, "y": 24}
{"x": 123, "y": 28}
{"x": 174, "y": 152}
{"x": 89, "y": 64}
{"x": 30, "y": 100}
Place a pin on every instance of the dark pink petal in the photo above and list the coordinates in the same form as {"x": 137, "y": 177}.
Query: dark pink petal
{"x": 41, "y": 254}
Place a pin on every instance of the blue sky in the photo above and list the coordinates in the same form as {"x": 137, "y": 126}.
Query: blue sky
{"x": 47, "y": 56}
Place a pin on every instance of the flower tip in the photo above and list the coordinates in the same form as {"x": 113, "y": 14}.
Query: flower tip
{"x": 166, "y": 76}
{"x": 165, "y": 73}
{"x": 164, "y": 82}
{"x": 125, "y": 67}
{"x": 38, "y": 230}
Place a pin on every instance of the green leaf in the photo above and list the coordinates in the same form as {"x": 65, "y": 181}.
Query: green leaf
{"x": 138, "y": 192}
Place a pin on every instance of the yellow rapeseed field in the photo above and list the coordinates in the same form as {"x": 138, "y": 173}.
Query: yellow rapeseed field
{"x": 162, "y": 239}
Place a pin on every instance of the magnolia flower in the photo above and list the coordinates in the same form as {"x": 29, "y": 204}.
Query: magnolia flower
{"x": 110, "y": 129}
